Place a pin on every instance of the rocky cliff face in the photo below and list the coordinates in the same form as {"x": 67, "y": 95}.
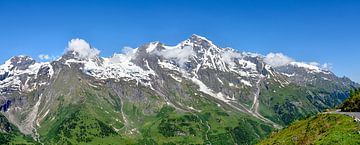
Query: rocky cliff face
{"x": 194, "y": 77}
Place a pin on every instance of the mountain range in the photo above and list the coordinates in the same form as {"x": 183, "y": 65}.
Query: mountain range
{"x": 192, "y": 93}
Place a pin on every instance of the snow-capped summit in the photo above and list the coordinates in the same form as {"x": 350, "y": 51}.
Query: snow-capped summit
{"x": 20, "y": 72}
{"x": 199, "y": 39}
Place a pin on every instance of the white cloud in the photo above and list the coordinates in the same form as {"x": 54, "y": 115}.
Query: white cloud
{"x": 327, "y": 66}
{"x": 277, "y": 59}
{"x": 181, "y": 55}
{"x": 127, "y": 53}
{"x": 314, "y": 63}
{"x": 228, "y": 56}
{"x": 44, "y": 57}
{"x": 82, "y": 48}
{"x": 129, "y": 50}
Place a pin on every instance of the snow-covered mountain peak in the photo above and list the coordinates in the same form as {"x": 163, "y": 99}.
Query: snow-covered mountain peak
{"x": 73, "y": 55}
{"x": 17, "y": 73}
{"x": 20, "y": 58}
{"x": 199, "y": 43}
{"x": 21, "y": 62}
{"x": 79, "y": 51}
{"x": 152, "y": 46}
{"x": 199, "y": 39}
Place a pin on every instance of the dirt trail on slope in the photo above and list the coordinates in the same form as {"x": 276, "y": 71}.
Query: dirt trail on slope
{"x": 356, "y": 115}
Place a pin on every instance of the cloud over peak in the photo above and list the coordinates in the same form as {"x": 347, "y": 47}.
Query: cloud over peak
{"x": 82, "y": 48}
{"x": 277, "y": 59}
{"x": 181, "y": 55}
{"x": 44, "y": 57}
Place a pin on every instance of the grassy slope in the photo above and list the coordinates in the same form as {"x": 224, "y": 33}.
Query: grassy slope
{"x": 82, "y": 128}
{"x": 168, "y": 126}
{"x": 88, "y": 123}
{"x": 172, "y": 127}
{"x": 319, "y": 129}
{"x": 9, "y": 134}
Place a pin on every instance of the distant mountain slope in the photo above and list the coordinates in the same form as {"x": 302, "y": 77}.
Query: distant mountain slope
{"x": 319, "y": 129}
{"x": 192, "y": 93}
{"x": 351, "y": 104}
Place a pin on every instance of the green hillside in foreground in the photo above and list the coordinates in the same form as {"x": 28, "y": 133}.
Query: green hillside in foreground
{"x": 9, "y": 134}
{"x": 320, "y": 129}
{"x": 352, "y": 104}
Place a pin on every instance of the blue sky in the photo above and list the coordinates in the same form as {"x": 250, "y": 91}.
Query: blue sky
{"x": 325, "y": 31}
